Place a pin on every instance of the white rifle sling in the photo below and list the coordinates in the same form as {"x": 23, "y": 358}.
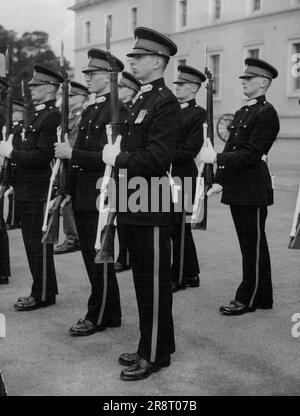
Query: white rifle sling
{"x": 52, "y": 179}
{"x": 104, "y": 211}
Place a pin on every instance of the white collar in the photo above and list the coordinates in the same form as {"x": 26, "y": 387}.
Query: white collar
{"x": 146, "y": 88}
{"x": 252, "y": 102}
{"x": 40, "y": 107}
{"x": 184, "y": 105}
{"x": 101, "y": 99}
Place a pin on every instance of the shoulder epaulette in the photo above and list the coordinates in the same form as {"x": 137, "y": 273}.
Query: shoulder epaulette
{"x": 164, "y": 92}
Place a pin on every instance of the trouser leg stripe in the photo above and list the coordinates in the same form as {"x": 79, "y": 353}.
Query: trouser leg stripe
{"x": 182, "y": 235}
{"x": 12, "y": 220}
{"x": 44, "y": 281}
{"x": 104, "y": 295}
{"x": 257, "y": 258}
{"x": 155, "y": 295}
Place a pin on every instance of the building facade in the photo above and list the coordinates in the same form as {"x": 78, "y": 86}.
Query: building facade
{"x": 231, "y": 29}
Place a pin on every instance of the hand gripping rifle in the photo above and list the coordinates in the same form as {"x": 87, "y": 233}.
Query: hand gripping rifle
{"x": 6, "y": 131}
{"x": 52, "y": 216}
{"x": 104, "y": 244}
{"x": 205, "y": 171}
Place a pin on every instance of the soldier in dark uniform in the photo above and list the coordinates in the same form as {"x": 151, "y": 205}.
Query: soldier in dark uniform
{"x": 146, "y": 155}
{"x": 31, "y": 159}
{"x": 247, "y": 185}
{"x": 78, "y": 95}
{"x": 13, "y": 220}
{"x": 4, "y": 241}
{"x": 104, "y": 309}
{"x": 185, "y": 267}
{"x": 129, "y": 86}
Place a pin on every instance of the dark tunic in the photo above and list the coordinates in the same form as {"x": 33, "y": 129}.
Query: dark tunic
{"x": 30, "y": 161}
{"x": 247, "y": 188}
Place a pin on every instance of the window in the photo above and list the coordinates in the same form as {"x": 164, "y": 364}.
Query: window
{"x": 134, "y": 18}
{"x": 217, "y": 12}
{"x": 215, "y": 66}
{"x": 256, "y": 5}
{"x": 296, "y": 67}
{"x": 109, "y": 18}
{"x": 183, "y": 12}
{"x": 88, "y": 32}
{"x": 253, "y": 53}
{"x": 181, "y": 62}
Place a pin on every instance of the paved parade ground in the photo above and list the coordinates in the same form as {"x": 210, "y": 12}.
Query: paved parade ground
{"x": 252, "y": 354}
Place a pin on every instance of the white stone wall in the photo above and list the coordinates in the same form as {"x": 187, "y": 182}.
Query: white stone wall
{"x": 272, "y": 30}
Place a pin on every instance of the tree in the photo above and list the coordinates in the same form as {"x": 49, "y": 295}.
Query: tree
{"x": 27, "y": 50}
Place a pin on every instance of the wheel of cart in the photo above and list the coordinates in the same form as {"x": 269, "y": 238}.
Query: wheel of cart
{"x": 223, "y": 125}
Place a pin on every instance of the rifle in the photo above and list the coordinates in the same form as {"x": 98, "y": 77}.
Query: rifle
{"x": 26, "y": 109}
{"x": 205, "y": 172}
{"x": 199, "y": 214}
{"x": 104, "y": 244}
{"x": 52, "y": 216}
{"x": 6, "y": 131}
{"x": 295, "y": 231}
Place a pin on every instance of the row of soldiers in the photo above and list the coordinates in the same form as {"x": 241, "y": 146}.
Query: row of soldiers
{"x": 157, "y": 130}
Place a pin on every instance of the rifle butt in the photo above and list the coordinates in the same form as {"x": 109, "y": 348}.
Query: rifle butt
{"x": 106, "y": 252}
{"x": 200, "y": 223}
{"x": 51, "y": 235}
{"x": 295, "y": 240}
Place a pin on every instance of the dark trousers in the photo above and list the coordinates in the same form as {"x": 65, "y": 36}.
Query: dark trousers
{"x": 256, "y": 287}
{"x": 39, "y": 256}
{"x": 185, "y": 262}
{"x": 69, "y": 223}
{"x": 104, "y": 303}
{"x": 150, "y": 256}
{"x": 4, "y": 251}
{"x": 13, "y": 218}
{"x": 123, "y": 256}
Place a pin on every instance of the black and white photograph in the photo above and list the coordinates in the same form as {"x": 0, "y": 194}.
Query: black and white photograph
{"x": 149, "y": 201}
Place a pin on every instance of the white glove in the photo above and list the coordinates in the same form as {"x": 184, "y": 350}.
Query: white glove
{"x": 9, "y": 191}
{"x": 111, "y": 151}
{"x": 63, "y": 150}
{"x": 6, "y": 146}
{"x": 214, "y": 190}
{"x": 208, "y": 153}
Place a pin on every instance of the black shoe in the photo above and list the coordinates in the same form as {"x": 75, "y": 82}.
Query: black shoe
{"x": 192, "y": 281}
{"x": 176, "y": 287}
{"x": 4, "y": 280}
{"x": 141, "y": 369}
{"x": 236, "y": 308}
{"x": 131, "y": 358}
{"x": 119, "y": 267}
{"x": 67, "y": 247}
{"x": 85, "y": 327}
{"x": 29, "y": 303}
